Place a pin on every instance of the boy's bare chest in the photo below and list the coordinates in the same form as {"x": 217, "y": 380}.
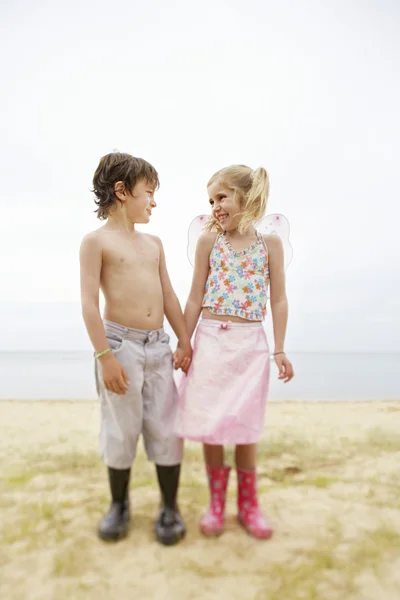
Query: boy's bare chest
{"x": 128, "y": 256}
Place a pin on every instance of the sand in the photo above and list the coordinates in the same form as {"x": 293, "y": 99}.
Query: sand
{"x": 329, "y": 480}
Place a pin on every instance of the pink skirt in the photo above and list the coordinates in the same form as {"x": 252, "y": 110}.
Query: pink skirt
{"x": 224, "y": 395}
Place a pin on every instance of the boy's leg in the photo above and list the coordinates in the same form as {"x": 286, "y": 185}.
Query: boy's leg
{"x": 121, "y": 423}
{"x": 114, "y": 524}
{"x": 169, "y": 527}
{"x": 163, "y": 447}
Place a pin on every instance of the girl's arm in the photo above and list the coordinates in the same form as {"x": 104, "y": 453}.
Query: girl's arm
{"x": 200, "y": 274}
{"x": 278, "y": 299}
{"x": 279, "y": 305}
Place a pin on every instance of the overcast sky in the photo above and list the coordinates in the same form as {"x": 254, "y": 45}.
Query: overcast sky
{"x": 308, "y": 89}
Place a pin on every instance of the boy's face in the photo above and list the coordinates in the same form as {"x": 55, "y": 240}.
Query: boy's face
{"x": 139, "y": 202}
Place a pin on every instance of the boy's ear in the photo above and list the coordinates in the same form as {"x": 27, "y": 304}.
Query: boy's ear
{"x": 119, "y": 190}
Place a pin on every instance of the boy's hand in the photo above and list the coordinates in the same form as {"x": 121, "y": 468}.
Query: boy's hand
{"x": 182, "y": 356}
{"x": 285, "y": 367}
{"x": 114, "y": 375}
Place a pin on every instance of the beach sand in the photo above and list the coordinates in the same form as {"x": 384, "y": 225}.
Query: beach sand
{"x": 329, "y": 480}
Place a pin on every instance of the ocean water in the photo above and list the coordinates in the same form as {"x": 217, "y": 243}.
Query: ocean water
{"x": 318, "y": 377}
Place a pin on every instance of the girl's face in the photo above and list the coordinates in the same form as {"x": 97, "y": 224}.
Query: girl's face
{"x": 225, "y": 205}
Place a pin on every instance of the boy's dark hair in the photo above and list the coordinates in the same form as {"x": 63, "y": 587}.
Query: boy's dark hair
{"x": 119, "y": 167}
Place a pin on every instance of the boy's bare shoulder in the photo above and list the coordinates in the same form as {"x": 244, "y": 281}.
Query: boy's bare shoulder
{"x": 151, "y": 237}
{"x": 94, "y": 236}
{"x": 93, "y": 239}
{"x": 153, "y": 240}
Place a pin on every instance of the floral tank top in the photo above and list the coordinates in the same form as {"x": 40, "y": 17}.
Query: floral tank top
{"x": 237, "y": 283}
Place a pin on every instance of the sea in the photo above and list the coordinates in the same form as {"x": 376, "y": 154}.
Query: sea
{"x": 64, "y": 375}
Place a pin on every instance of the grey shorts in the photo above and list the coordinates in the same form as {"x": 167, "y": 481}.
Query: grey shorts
{"x": 149, "y": 405}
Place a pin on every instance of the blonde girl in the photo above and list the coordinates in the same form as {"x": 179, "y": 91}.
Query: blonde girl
{"x": 223, "y": 397}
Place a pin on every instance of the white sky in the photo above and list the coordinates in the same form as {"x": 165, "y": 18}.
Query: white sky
{"x": 308, "y": 89}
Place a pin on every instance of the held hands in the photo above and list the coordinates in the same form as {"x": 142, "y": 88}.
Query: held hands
{"x": 114, "y": 376}
{"x": 284, "y": 365}
{"x": 182, "y": 356}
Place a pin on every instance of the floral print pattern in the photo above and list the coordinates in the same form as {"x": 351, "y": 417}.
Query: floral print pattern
{"x": 237, "y": 284}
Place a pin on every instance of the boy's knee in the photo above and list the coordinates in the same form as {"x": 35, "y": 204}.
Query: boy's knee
{"x": 166, "y": 453}
{"x": 119, "y": 456}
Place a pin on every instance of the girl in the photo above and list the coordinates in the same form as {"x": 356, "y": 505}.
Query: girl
{"x": 223, "y": 397}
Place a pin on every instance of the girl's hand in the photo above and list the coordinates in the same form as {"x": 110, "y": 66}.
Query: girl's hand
{"x": 285, "y": 368}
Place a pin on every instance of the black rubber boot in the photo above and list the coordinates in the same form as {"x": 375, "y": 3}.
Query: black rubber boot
{"x": 170, "y": 528}
{"x": 114, "y": 525}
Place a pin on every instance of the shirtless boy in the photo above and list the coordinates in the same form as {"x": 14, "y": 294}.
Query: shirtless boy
{"x": 134, "y": 362}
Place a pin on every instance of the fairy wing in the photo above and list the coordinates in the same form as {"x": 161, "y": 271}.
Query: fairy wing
{"x": 277, "y": 224}
{"x": 274, "y": 224}
{"x": 196, "y": 228}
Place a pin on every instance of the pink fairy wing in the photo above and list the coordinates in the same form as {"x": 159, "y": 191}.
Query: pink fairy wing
{"x": 277, "y": 224}
{"x": 196, "y": 228}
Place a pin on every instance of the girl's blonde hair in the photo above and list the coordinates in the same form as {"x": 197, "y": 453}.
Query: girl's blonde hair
{"x": 252, "y": 188}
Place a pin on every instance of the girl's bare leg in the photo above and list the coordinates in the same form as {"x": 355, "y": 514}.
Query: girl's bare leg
{"x": 245, "y": 456}
{"x": 213, "y": 455}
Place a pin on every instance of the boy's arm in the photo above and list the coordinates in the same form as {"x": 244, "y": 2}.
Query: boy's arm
{"x": 278, "y": 299}
{"x": 172, "y": 307}
{"x": 200, "y": 274}
{"x": 90, "y": 266}
{"x": 114, "y": 375}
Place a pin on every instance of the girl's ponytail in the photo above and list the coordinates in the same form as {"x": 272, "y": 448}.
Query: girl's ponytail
{"x": 256, "y": 199}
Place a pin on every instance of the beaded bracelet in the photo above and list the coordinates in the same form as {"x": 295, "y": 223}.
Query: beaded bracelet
{"x": 276, "y": 353}
{"x": 100, "y": 354}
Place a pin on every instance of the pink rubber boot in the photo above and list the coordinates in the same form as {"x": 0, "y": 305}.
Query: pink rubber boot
{"x": 212, "y": 523}
{"x": 249, "y": 513}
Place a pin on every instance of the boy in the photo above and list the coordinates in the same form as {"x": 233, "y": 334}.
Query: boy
{"x": 134, "y": 363}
